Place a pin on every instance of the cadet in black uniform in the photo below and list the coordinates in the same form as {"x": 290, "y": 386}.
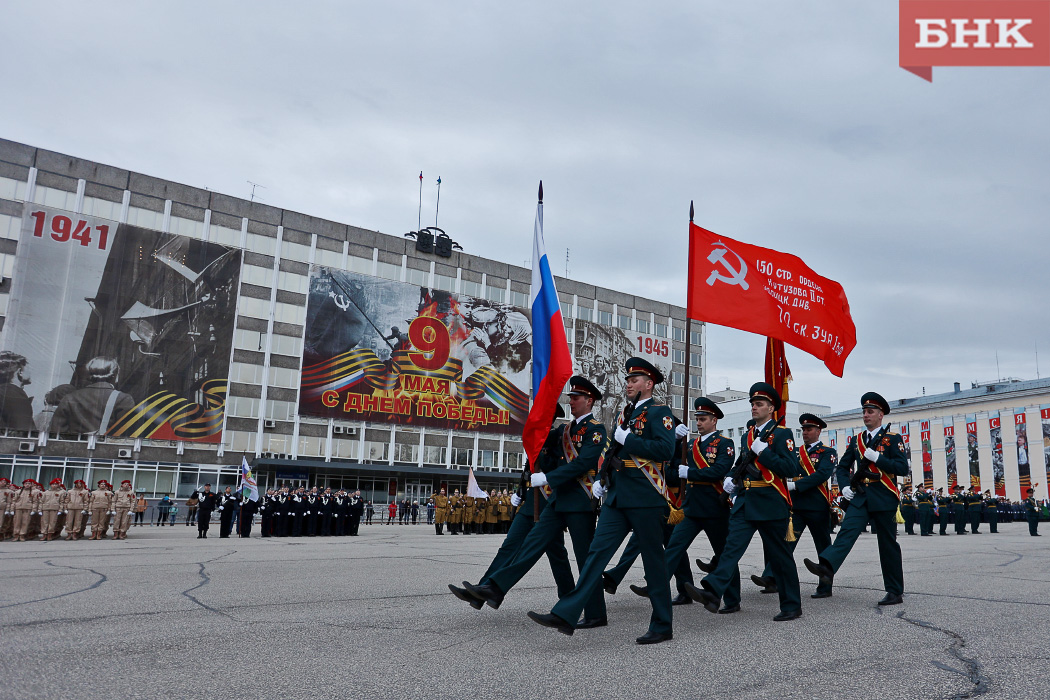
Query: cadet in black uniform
{"x": 908, "y": 510}
{"x": 991, "y": 507}
{"x": 810, "y": 498}
{"x": 944, "y": 507}
{"x": 879, "y": 457}
{"x": 205, "y": 506}
{"x": 636, "y": 499}
{"x": 569, "y": 506}
{"x": 1031, "y": 511}
{"x": 709, "y": 459}
{"x": 924, "y": 500}
{"x": 761, "y": 502}
{"x": 228, "y": 502}
{"x": 357, "y": 509}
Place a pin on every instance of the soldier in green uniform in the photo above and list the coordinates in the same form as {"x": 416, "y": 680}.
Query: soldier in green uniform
{"x": 579, "y": 447}
{"x": 1031, "y": 511}
{"x": 879, "y": 457}
{"x": 959, "y": 502}
{"x": 944, "y": 506}
{"x": 991, "y": 507}
{"x": 636, "y": 499}
{"x": 974, "y": 506}
{"x": 908, "y": 510}
{"x": 810, "y": 499}
{"x": 522, "y": 524}
{"x": 709, "y": 459}
{"x": 924, "y": 500}
{"x": 761, "y": 502}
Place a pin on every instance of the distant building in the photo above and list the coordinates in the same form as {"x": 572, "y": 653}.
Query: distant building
{"x": 737, "y": 410}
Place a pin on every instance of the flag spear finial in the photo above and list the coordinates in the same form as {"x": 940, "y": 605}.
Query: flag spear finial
{"x": 541, "y": 192}
{"x": 690, "y": 211}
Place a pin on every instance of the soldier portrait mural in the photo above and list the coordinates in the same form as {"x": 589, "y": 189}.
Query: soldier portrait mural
{"x": 117, "y": 330}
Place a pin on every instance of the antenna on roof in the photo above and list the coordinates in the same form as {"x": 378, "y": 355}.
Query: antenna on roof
{"x": 254, "y": 185}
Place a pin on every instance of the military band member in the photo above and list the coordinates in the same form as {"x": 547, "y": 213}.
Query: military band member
{"x": 944, "y": 506}
{"x": 991, "y": 507}
{"x": 522, "y": 524}
{"x": 908, "y": 510}
{"x": 440, "y": 511}
{"x": 1031, "y": 512}
{"x": 761, "y": 502}
{"x": 924, "y": 500}
{"x": 709, "y": 459}
{"x": 636, "y": 499}
{"x": 974, "y": 505}
{"x": 123, "y": 503}
{"x": 959, "y": 510}
{"x": 579, "y": 447}
{"x": 810, "y": 497}
{"x": 879, "y": 457}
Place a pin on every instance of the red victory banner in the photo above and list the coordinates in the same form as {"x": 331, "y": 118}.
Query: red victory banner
{"x": 973, "y": 33}
{"x": 927, "y": 454}
{"x": 774, "y": 294}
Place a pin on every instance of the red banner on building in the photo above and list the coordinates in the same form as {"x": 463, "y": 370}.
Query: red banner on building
{"x": 973, "y": 456}
{"x": 770, "y": 293}
{"x": 950, "y": 458}
{"x": 927, "y": 454}
{"x": 906, "y": 436}
{"x": 995, "y": 430}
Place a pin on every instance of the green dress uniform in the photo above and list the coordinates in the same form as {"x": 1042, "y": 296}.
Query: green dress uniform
{"x": 991, "y": 507}
{"x": 569, "y": 507}
{"x": 974, "y": 505}
{"x": 710, "y": 458}
{"x": 1031, "y": 512}
{"x": 924, "y": 502}
{"x": 959, "y": 513}
{"x": 908, "y": 512}
{"x": 760, "y": 505}
{"x": 811, "y": 507}
{"x": 944, "y": 506}
{"x": 876, "y": 500}
{"x": 634, "y": 503}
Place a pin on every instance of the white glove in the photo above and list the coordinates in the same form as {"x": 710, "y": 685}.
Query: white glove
{"x": 683, "y": 471}
{"x": 848, "y": 493}
{"x": 681, "y": 431}
{"x": 515, "y": 500}
{"x": 597, "y": 490}
{"x": 220, "y": 508}
{"x": 757, "y": 446}
{"x": 791, "y": 486}
{"x": 621, "y": 434}
{"x": 871, "y": 455}
{"x": 538, "y": 479}
{"x": 728, "y": 485}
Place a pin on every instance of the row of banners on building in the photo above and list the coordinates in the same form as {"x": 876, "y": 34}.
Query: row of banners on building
{"x": 946, "y": 430}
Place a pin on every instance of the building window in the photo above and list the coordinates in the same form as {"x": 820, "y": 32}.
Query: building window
{"x": 445, "y": 283}
{"x": 519, "y": 299}
{"x": 462, "y": 456}
{"x": 388, "y": 270}
{"x": 694, "y": 381}
{"x": 295, "y": 251}
{"x": 641, "y": 326}
{"x": 377, "y": 451}
{"x": 238, "y": 441}
{"x": 605, "y": 318}
{"x": 623, "y": 322}
{"x": 222, "y": 235}
{"x": 495, "y": 293}
{"x": 406, "y": 453}
{"x": 417, "y": 277}
{"x": 694, "y": 359}
{"x": 292, "y": 282}
{"x": 289, "y": 313}
{"x": 344, "y": 449}
{"x": 186, "y": 227}
{"x": 242, "y": 407}
{"x": 487, "y": 458}
{"x": 261, "y": 244}
{"x": 566, "y": 311}
{"x": 661, "y": 330}
{"x": 433, "y": 455}
{"x": 260, "y": 276}
{"x": 60, "y": 199}
{"x": 584, "y": 313}
{"x": 280, "y": 410}
{"x": 93, "y": 206}
{"x": 694, "y": 337}
{"x": 286, "y": 345}
{"x": 246, "y": 374}
{"x": 10, "y": 227}
{"x": 677, "y": 356}
{"x": 12, "y": 189}
{"x": 469, "y": 288}
{"x": 284, "y": 378}
{"x": 677, "y": 378}
{"x": 513, "y": 460}
{"x": 329, "y": 258}
{"x": 356, "y": 264}
{"x": 310, "y": 446}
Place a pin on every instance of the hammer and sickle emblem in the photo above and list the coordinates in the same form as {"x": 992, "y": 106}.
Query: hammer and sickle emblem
{"x": 735, "y": 276}
{"x": 340, "y": 301}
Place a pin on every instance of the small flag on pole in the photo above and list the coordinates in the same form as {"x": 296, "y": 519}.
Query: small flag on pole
{"x": 473, "y": 490}
{"x": 249, "y": 489}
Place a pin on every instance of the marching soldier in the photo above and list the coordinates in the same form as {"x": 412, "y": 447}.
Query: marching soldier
{"x": 944, "y": 506}
{"x": 959, "y": 510}
{"x": 810, "y": 497}
{"x": 578, "y": 448}
{"x": 637, "y": 498}
{"x": 100, "y": 504}
{"x": 440, "y": 511}
{"x": 879, "y": 457}
{"x": 523, "y": 523}
{"x": 123, "y": 503}
{"x": 50, "y": 506}
{"x": 924, "y": 499}
{"x": 1031, "y": 511}
{"x": 908, "y": 510}
{"x": 974, "y": 505}
{"x": 708, "y": 460}
{"x": 991, "y": 507}
{"x": 761, "y": 502}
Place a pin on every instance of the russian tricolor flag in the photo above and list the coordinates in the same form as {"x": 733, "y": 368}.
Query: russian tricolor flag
{"x": 551, "y": 362}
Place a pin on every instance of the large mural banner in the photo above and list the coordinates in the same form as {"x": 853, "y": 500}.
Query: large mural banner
{"x": 600, "y": 353}
{"x": 995, "y": 430}
{"x": 927, "y": 454}
{"x": 974, "y": 457}
{"x": 906, "y": 437}
{"x": 1024, "y": 467}
{"x": 121, "y": 331}
{"x": 950, "y": 460}
{"x": 388, "y": 351}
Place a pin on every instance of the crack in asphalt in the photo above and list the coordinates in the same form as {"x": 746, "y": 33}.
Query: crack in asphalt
{"x": 974, "y": 670}
{"x": 205, "y": 580}
{"x": 102, "y": 578}
{"x": 1018, "y": 556}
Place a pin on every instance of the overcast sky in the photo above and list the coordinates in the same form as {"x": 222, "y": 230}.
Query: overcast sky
{"x": 790, "y": 125}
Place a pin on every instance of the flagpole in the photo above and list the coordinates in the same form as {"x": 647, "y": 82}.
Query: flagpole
{"x": 437, "y": 207}
{"x": 536, "y": 489}
{"x": 688, "y": 334}
{"x": 419, "y": 219}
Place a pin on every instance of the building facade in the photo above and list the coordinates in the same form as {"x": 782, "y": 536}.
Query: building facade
{"x": 232, "y": 328}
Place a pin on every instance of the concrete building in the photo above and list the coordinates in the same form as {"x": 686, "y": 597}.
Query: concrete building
{"x": 984, "y": 425}
{"x": 280, "y": 251}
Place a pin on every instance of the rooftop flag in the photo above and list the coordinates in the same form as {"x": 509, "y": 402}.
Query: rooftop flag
{"x": 551, "y": 362}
